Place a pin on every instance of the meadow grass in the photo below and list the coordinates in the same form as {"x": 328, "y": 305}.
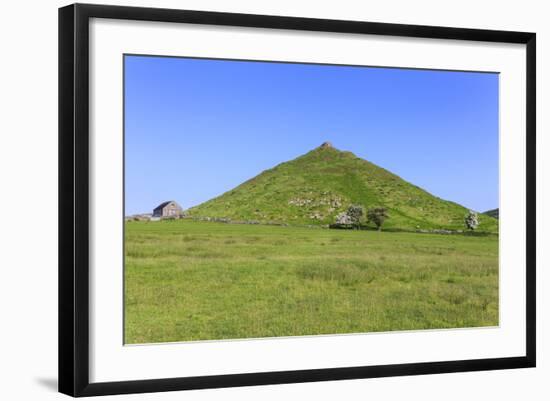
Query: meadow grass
{"x": 187, "y": 280}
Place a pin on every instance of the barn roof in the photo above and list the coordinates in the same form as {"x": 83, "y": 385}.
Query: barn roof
{"x": 163, "y": 204}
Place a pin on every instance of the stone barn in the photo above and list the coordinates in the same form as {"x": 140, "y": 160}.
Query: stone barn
{"x": 167, "y": 209}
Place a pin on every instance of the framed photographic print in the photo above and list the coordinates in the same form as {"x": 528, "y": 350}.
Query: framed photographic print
{"x": 250, "y": 199}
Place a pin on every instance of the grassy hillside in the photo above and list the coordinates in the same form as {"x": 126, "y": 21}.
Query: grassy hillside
{"x": 492, "y": 213}
{"x": 314, "y": 188}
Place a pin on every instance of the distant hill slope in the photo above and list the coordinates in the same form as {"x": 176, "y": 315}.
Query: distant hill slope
{"x": 492, "y": 213}
{"x": 315, "y": 187}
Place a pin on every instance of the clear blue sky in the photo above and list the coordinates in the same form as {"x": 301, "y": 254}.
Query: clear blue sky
{"x": 197, "y": 128}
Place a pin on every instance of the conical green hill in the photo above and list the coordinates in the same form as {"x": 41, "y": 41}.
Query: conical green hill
{"x": 315, "y": 187}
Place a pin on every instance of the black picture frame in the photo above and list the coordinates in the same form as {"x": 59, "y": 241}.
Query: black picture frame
{"x": 74, "y": 199}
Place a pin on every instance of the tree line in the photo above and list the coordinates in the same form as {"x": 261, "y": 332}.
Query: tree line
{"x": 355, "y": 217}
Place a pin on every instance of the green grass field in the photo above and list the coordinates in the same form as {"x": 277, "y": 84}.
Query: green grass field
{"x": 188, "y": 280}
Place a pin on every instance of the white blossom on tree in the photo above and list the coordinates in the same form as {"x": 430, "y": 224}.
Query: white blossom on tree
{"x": 356, "y": 213}
{"x": 471, "y": 220}
{"x": 353, "y": 217}
{"x": 344, "y": 219}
